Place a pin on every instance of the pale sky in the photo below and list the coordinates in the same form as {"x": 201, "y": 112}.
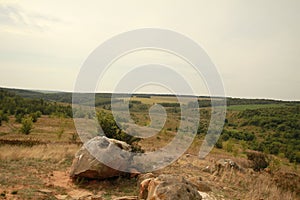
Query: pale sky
{"x": 254, "y": 44}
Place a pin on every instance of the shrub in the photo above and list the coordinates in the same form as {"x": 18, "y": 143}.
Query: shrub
{"x": 219, "y": 143}
{"x": 229, "y": 146}
{"x": 112, "y": 130}
{"x": 26, "y": 125}
{"x": 19, "y": 117}
{"x": 259, "y": 160}
{"x": 35, "y": 116}
{"x": 3, "y": 117}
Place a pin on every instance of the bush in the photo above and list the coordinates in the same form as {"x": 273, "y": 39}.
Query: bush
{"x": 19, "y": 117}
{"x": 219, "y": 143}
{"x": 26, "y": 125}
{"x": 229, "y": 146}
{"x": 259, "y": 160}
{"x": 3, "y": 117}
{"x": 112, "y": 130}
{"x": 35, "y": 116}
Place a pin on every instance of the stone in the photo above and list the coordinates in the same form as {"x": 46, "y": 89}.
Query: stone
{"x": 168, "y": 187}
{"x": 45, "y": 191}
{"x": 143, "y": 177}
{"x": 111, "y": 151}
{"x": 62, "y": 197}
{"x": 200, "y": 184}
{"x": 206, "y": 196}
{"x": 227, "y": 164}
{"x": 126, "y": 198}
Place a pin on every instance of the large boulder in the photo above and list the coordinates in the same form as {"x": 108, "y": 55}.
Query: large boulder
{"x": 168, "y": 187}
{"x": 112, "y": 151}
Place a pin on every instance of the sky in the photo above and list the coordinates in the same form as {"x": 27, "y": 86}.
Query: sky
{"x": 255, "y": 45}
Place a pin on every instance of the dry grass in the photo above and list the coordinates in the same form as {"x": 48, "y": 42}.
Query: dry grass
{"x": 46, "y": 129}
{"x": 230, "y": 183}
{"x": 27, "y": 169}
{"x": 55, "y": 152}
{"x": 250, "y": 186}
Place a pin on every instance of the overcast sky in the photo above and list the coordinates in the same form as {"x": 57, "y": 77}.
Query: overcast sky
{"x": 254, "y": 44}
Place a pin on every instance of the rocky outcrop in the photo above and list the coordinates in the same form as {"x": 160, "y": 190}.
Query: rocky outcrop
{"x": 168, "y": 187}
{"x": 226, "y": 164}
{"x": 87, "y": 166}
{"x": 221, "y": 165}
{"x": 200, "y": 184}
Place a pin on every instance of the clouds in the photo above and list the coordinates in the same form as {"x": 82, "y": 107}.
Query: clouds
{"x": 255, "y": 44}
{"x": 13, "y": 18}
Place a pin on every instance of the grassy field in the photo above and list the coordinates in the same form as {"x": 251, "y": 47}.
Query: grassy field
{"x": 36, "y": 166}
{"x": 47, "y": 167}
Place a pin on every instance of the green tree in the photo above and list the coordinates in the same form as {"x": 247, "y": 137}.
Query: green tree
{"x": 26, "y": 125}
{"x": 112, "y": 130}
{"x": 3, "y": 117}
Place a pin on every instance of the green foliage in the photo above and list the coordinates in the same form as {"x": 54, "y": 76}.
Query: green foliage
{"x": 111, "y": 129}
{"x": 3, "y": 117}
{"x": 229, "y": 147}
{"x": 26, "y": 125}
{"x": 259, "y": 160}
{"x": 35, "y": 116}
{"x": 12, "y": 104}
{"x": 275, "y": 130}
{"x": 61, "y": 129}
{"x": 239, "y": 135}
{"x": 219, "y": 143}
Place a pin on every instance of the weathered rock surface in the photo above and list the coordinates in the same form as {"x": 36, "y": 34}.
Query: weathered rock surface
{"x": 110, "y": 150}
{"x": 168, "y": 187}
{"x": 227, "y": 164}
{"x": 200, "y": 185}
{"x": 206, "y": 196}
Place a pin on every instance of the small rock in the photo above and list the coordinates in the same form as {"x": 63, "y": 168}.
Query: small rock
{"x": 45, "y": 191}
{"x": 226, "y": 164}
{"x": 209, "y": 169}
{"x": 62, "y": 197}
{"x": 126, "y": 198}
{"x": 206, "y": 196}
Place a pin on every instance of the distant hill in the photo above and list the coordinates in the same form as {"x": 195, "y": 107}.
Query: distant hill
{"x": 105, "y": 98}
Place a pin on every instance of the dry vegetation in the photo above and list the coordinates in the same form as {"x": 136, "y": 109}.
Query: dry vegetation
{"x": 40, "y": 171}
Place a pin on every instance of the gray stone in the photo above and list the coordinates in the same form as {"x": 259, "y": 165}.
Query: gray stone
{"x": 111, "y": 151}
{"x": 168, "y": 187}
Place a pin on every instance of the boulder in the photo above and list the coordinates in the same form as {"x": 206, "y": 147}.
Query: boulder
{"x": 112, "y": 151}
{"x": 168, "y": 187}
